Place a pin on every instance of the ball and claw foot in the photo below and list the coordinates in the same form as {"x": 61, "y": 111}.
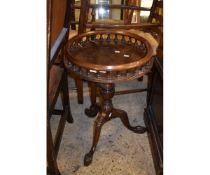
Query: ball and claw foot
{"x": 88, "y": 159}
{"x": 92, "y": 111}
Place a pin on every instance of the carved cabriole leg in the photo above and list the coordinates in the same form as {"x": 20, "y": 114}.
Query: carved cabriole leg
{"x": 94, "y": 108}
{"x": 107, "y": 112}
{"x": 101, "y": 119}
{"x": 124, "y": 118}
{"x": 107, "y": 92}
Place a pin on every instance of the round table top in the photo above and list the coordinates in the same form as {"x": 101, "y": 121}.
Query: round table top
{"x": 107, "y": 56}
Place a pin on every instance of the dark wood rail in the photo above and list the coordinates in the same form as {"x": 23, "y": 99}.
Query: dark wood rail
{"x": 114, "y": 6}
{"x": 122, "y": 26}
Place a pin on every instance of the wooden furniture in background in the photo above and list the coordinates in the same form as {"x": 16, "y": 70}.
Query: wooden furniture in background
{"x": 105, "y": 57}
{"x": 58, "y": 13}
{"x": 87, "y": 21}
{"x": 153, "y": 115}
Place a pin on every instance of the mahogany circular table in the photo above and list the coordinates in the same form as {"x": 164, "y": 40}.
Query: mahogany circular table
{"x": 106, "y": 57}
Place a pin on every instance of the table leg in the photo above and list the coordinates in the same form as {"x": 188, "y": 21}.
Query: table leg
{"x": 124, "y": 118}
{"x": 107, "y": 112}
{"x": 101, "y": 119}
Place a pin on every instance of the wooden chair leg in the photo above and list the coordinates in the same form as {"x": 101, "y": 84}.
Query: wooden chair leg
{"x": 52, "y": 166}
{"x": 53, "y": 147}
{"x": 93, "y": 93}
{"x": 94, "y": 107}
{"x": 65, "y": 100}
{"x": 140, "y": 79}
{"x": 79, "y": 85}
{"x": 73, "y": 26}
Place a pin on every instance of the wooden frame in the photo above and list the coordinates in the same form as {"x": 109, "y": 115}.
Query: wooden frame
{"x": 153, "y": 116}
{"x": 57, "y": 82}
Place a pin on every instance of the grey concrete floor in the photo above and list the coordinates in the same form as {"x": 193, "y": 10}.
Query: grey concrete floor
{"x": 119, "y": 151}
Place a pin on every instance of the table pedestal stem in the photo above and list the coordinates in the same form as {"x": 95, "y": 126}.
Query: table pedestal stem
{"x": 106, "y": 113}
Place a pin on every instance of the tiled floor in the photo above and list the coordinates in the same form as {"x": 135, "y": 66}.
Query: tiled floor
{"x": 119, "y": 151}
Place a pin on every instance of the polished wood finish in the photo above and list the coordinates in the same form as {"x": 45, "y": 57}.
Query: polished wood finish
{"x": 57, "y": 83}
{"x": 58, "y": 8}
{"x": 58, "y": 28}
{"x": 106, "y": 57}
